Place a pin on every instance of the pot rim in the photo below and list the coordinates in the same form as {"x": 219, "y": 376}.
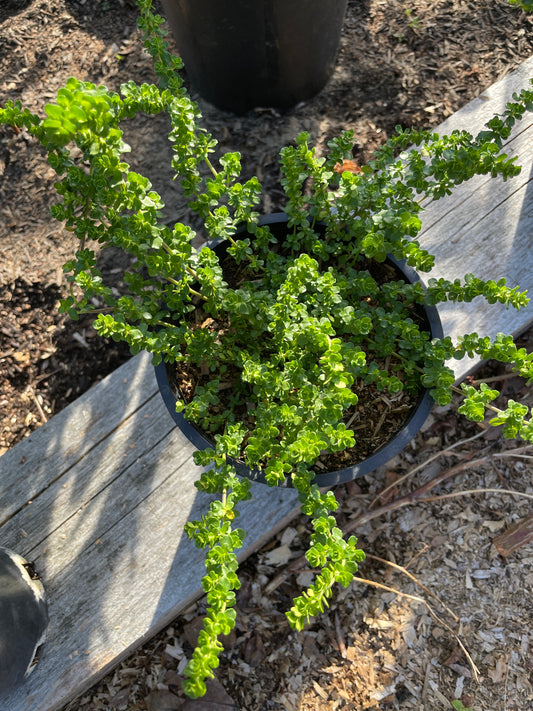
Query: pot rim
{"x": 417, "y": 418}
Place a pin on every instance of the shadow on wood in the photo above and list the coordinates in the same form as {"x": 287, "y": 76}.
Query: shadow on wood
{"x": 98, "y": 499}
{"x": 486, "y": 226}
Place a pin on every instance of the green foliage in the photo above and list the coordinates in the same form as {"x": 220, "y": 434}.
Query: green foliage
{"x": 526, "y": 5}
{"x": 336, "y": 558}
{"x": 214, "y": 532}
{"x": 459, "y": 706}
{"x": 305, "y": 321}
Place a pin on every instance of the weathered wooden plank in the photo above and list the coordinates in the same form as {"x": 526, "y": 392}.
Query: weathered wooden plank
{"x": 485, "y": 227}
{"x": 463, "y": 210}
{"x": 104, "y": 466}
{"x": 49, "y": 452}
{"x": 107, "y": 536}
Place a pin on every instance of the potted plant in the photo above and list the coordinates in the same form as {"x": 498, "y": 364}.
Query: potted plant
{"x": 277, "y": 334}
{"x": 242, "y": 54}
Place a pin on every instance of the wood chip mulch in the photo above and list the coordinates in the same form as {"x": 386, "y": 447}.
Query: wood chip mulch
{"x": 401, "y": 62}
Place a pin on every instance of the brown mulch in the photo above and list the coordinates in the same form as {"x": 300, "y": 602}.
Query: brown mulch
{"x": 409, "y": 63}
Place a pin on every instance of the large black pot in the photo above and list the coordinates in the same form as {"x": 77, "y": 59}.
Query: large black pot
{"x": 241, "y": 54}
{"x": 382, "y": 456}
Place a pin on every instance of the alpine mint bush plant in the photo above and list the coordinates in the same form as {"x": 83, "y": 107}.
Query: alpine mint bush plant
{"x": 300, "y": 327}
{"x": 526, "y": 5}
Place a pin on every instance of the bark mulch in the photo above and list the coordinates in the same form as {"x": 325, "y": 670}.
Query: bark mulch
{"x": 383, "y": 644}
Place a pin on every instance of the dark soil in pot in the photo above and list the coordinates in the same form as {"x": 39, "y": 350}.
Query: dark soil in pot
{"x": 383, "y": 424}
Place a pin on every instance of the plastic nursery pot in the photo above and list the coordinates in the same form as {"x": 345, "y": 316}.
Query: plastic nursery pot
{"x": 413, "y": 424}
{"x": 242, "y": 54}
{"x": 23, "y": 618}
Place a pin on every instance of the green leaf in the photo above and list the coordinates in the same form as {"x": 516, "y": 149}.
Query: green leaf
{"x": 476, "y": 401}
{"x": 54, "y": 112}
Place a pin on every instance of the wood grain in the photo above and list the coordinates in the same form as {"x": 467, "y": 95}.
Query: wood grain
{"x": 486, "y": 226}
{"x": 104, "y": 526}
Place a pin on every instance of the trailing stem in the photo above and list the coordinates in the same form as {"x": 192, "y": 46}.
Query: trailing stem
{"x": 336, "y": 558}
{"x": 214, "y": 532}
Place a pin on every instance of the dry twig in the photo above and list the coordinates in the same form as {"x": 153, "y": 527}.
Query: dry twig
{"x": 443, "y": 452}
{"x": 416, "y": 598}
{"x": 468, "y": 492}
{"x": 403, "y": 570}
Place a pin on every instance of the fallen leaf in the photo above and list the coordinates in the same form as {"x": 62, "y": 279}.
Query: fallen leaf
{"x": 455, "y": 656}
{"x": 254, "y": 651}
{"x": 192, "y": 630}
{"x": 498, "y": 673}
{"x": 161, "y": 700}
{"x": 514, "y": 537}
{"x": 215, "y": 699}
{"x": 349, "y": 166}
{"x": 120, "y": 700}
{"x": 461, "y": 670}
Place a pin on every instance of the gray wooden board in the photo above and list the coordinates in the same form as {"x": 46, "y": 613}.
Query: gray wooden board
{"x": 486, "y": 226}
{"x": 98, "y": 497}
{"x": 110, "y": 484}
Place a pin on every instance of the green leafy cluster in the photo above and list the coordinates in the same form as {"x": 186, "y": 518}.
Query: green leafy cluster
{"x": 457, "y": 704}
{"x": 216, "y": 533}
{"x": 329, "y": 552}
{"x": 526, "y": 5}
{"x": 303, "y": 324}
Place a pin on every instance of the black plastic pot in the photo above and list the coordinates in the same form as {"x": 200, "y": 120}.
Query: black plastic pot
{"x": 23, "y": 618}
{"x": 382, "y": 456}
{"x": 242, "y": 54}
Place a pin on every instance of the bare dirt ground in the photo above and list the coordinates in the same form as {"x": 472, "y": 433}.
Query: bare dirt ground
{"x": 394, "y": 647}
